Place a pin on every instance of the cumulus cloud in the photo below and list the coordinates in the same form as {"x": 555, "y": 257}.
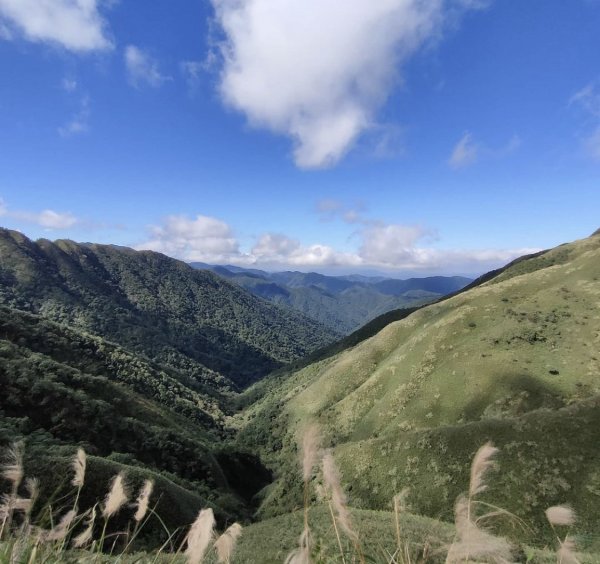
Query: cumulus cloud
{"x": 48, "y": 219}
{"x": 76, "y": 25}
{"x": 203, "y": 238}
{"x": 319, "y": 70}
{"x": 275, "y": 249}
{"x": 465, "y": 152}
{"x": 379, "y": 245}
{"x": 142, "y": 69}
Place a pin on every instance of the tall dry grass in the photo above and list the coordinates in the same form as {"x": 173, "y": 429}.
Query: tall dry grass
{"x": 82, "y": 535}
{"x": 22, "y": 541}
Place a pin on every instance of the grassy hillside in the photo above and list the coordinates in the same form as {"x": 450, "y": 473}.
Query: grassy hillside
{"x": 343, "y": 303}
{"x": 150, "y": 304}
{"x": 513, "y": 360}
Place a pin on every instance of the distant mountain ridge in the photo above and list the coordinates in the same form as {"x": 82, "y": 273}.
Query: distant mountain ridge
{"x": 343, "y": 303}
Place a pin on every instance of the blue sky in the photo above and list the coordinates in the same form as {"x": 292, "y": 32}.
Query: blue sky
{"x": 441, "y": 136}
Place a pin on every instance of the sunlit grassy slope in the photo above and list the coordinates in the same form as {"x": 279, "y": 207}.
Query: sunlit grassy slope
{"x": 515, "y": 360}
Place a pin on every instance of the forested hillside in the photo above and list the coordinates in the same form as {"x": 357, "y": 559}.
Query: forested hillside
{"x": 189, "y": 320}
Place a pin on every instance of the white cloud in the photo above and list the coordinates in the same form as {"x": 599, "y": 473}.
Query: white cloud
{"x": 277, "y": 250}
{"x": 76, "y": 25}
{"x": 465, "y": 152}
{"x": 204, "y": 239}
{"x": 390, "y": 244}
{"x": 48, "y": 219}
{"x": 79, "y": 123}
{"x": 319, "y": 70}
{"x": 142, "y": 69}
{"x": 379, "y": 245}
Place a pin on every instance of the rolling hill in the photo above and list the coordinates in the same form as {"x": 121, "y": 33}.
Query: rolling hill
{"x": 343, "y": 303}
{"x": 514, "y": 359}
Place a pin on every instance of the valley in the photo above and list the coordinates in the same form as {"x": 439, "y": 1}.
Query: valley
{"x": 158, "y": 369}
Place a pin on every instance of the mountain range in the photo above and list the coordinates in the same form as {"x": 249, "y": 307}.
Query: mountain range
{"x": 342, "y": 303}
{"x": 163, "y": 370}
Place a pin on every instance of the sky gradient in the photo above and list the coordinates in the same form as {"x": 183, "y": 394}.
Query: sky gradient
{"x": 405, "y": 136}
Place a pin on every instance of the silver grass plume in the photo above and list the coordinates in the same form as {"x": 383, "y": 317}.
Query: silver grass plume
{"x": 560, "y": 515}
{"x": 482, "y": 462}
{"x": 116, "y": 497}
{"x": 301, "y": 555}
{"x": 87, "y": 534}
{"x": 143, "y": 500}
{"x": 12, "y": 470}
{"x": 338, "y": 497}
{"x": 225, "y": 544}
{"x": 61, "y": 530}
{"x": 566, "y": 552}
{"x": 200, "y": 536}
{"x": 311, "y": 441}
{"x": 474, "y": 543}
{"x": 79, "y": 465}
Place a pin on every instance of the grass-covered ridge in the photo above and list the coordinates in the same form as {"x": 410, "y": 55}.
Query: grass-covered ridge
{"x": 513, "y": 360}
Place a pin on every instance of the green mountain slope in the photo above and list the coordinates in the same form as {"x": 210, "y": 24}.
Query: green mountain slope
{"x": 342, "y": 303}
{"x": 189, "y": 320}
{"x": 62, "y": 388}
{"x": 514, "y": 360}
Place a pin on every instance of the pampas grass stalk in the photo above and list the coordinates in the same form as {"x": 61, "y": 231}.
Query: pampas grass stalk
{"x": 79, "y": 465}
{"x": 339, "y": 504}
{"x": 482, "y": 462}
{"x": 563, "y": 516}
{"x": 60, "y": 531}
{"x": 560, "y": 515}
{"x": 200, "y": 536}
{"x": 116, "y": 497}
{"x": 301, "y": 555}
{"x": 472, "y": 541}
{"x": 12, "y": 471}
{"x": 84, "y": 538}
{"x": 225, "y": 544}
{"x": 566, "y": 552}
{"x": 331, "y": 476}
{"x": 143, "y": 500}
